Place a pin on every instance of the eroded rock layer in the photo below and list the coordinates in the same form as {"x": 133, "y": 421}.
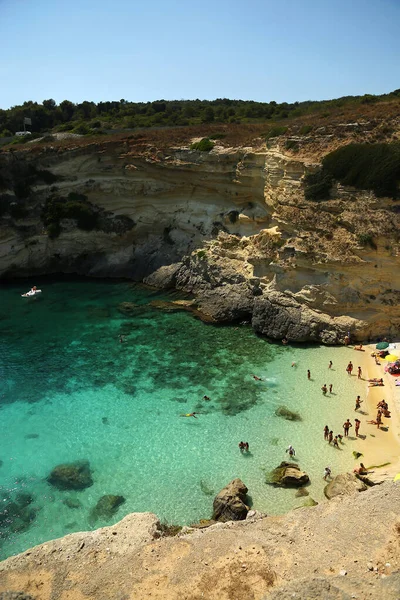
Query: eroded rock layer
{"x": 231, "y": 226}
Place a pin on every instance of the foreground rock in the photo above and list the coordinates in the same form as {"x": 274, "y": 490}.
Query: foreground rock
{"x": 344, "y": 485}
{"x": 229, "y": 504}
{"x": 287, "y": 475}
{"x": 298, "y": 555}
{"x": 71, "y": 476}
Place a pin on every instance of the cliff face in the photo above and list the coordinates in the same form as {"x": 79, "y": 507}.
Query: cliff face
{"x": 232, "y": 226}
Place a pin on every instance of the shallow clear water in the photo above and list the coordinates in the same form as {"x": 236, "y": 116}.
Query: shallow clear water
{"x": 71, "y": 391}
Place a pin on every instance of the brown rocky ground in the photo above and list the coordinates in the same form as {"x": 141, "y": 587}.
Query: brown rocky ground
{"x": 346, "y": 548}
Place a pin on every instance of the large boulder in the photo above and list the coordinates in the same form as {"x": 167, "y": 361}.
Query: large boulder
{"x": 278, "y": 315}
{"x": 106, "y": 507}
{"x": 229, "y": 504}
{"x": 231, "y": 302}
{"x": 71, "y": 476}
{"x": 344, "y": 485}
{"x": 287, "y": 475}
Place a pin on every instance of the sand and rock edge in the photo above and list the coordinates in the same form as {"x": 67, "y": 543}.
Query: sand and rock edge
{"x": 346, "y": 548}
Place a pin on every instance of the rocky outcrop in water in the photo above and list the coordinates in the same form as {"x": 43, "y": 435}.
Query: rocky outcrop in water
{"x": 71, "y": 476}
{"x": 106, "y": 507}
{"x": 229, "y": 504}
{"x": 287, "y": 475}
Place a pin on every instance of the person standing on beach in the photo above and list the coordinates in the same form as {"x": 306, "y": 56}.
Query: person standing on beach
{"x": 349, "y": 368}
{"x": 358, "y": 403}
{"x": 324, "y": 389}
{"x": 335, "y": 442}
{"x": 330, "y": 364}
{"x": 326, "y": 432}
{"x": 346, "y": 427}
{"x": 330, "y": 437}
{"x": 327, "y": 473}
{"x": 357, "y": 424}
{"x": 308, "y": 374}
{"x": 330, "y": 388}
{"x": 359, "y": 373}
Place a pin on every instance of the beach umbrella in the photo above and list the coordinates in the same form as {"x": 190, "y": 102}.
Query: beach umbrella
{"x": 391, "y": 357}
{"x": 382, "y": 346}
{"x": 397, "y": 477}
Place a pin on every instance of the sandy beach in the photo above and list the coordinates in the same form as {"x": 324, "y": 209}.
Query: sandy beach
{"x": 379, "y": 446}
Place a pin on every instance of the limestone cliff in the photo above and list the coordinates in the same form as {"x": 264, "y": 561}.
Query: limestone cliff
{"x": 231, "y": 226}
{"x": 347, "y": 548}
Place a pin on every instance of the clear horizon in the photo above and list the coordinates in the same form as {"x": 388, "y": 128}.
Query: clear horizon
{"x": 297, "y": 51}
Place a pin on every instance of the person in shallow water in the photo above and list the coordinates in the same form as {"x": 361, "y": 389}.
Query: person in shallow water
{"x": 206, "y": 398}
{"x": 256, "y": 378}
{"x": 349, "y": 368}
{"x": 327, "y": 473}
{"x": 291, "y": 451}
{"x": 192, "y": 414}
{"x": 346, "y": 427}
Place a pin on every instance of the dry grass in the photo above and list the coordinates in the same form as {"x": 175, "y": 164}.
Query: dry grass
{"x": 382, "y": 119}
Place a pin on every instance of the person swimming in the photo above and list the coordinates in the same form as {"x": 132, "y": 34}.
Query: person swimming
{"x": 256, "y": 378}
{"x": 192, "y": 414}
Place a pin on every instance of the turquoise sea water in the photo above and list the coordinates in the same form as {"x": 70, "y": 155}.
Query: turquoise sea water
{"x": 71, "y": 391}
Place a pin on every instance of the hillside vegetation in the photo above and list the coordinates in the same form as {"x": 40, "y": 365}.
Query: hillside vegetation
{"x": 87, "y": 117}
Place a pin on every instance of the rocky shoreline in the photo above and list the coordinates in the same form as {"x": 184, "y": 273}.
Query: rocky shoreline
{"x": 324, "y": 551}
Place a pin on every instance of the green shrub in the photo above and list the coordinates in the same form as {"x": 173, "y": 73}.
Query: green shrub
{"x": 292, "y": 145}
{"x": 317, "y": 186}
{"x": 53, "y": 230}
{"x": 82, "y": 129}
{"x": 366, "y": 166}
{"x": 217, "y": 136}
{"x": 75, "y": 207}
{"x": 204, "y": 145}
{"x": 305, "y": 129}
{"x": 276, "y": 131}
{"x": 366, "y": 239}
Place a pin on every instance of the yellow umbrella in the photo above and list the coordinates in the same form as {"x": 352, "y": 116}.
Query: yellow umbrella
{"x": 391, "y": 357}
{"x": 397, "y": 477}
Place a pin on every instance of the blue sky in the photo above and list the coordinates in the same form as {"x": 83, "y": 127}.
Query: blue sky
{"x": 282, "y": 50}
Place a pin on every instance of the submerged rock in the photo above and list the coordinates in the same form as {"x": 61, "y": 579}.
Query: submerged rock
{"x": 206, "y": 489}
{"x": 229, "y": 504}
{"x": 286, "y": 413}
{"x": 301, "y": 492}
{"x": 71, "y": 476}
{"x": 287, "y": 475}
{"x": 127, "y": 308}
{"x": 106, "y": 507}
{"x": 72, "y": 503}
{"x": 23, "y": 499}
{"x": 344, "y": 485}
{"x": 15, "y": 516}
